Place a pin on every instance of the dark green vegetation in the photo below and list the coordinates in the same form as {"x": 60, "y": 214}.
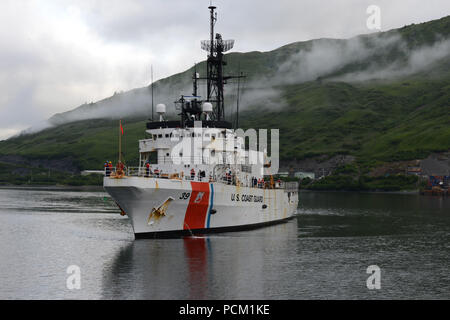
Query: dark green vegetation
{"x": 398, "y": 121}
{"x": 89, "y": 142}
{"x": 402, "y": 116}
{"x": 365, "y": 183}
{"x": 350, "y": 178}
{"x": 20, "y": 175}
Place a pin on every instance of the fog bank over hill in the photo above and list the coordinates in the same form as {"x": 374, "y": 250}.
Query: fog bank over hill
{"x": 382, "y": 56}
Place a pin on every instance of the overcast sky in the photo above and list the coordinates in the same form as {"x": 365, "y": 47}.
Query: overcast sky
{"x": 58, "y": 54}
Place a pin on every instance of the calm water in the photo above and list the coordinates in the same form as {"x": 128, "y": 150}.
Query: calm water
{"x": 323, "y": 253}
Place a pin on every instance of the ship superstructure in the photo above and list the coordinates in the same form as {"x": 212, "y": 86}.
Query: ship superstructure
{"x": 195, "y": 174}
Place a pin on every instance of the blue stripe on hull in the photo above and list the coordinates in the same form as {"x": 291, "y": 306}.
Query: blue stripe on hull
{"x": 211, "y": 203}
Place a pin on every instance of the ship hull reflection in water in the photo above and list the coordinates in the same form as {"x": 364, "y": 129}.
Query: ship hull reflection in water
{"x": 221, "y": 266}
{"x": 196, "y": 255}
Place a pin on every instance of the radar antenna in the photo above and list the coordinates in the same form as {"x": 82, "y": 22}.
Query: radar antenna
{"x": 193, "y": 108}
{"x": 216, "y": 47}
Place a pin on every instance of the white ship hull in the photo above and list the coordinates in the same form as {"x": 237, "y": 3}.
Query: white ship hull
{"x": 169, "y": 207}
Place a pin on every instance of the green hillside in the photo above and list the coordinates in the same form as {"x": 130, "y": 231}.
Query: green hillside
{"x": 400, "y": 117}
{"x": 402, "y": 120}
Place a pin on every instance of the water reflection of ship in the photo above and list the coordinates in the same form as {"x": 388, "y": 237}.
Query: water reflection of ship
{"x": 196, "y": 250}
{"x": 217, "y": 267}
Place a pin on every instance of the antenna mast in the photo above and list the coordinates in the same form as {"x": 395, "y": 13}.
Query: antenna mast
{"x": 216, "y": 47}
{"x": 237, "y": 100}
{"x": 151, "y": 68}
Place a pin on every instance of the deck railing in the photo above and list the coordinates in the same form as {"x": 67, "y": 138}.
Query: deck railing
{"x": 151, "y": 173}
{"x": 291, "y": 186}
{"x": 229, "y": 179}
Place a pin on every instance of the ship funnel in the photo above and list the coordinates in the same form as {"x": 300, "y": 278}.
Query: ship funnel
{"x": 161, "y": 109}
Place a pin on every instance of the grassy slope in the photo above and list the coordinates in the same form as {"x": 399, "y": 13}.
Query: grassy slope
{"x": 91, "y": 142}
{"x": 399, "y": 121}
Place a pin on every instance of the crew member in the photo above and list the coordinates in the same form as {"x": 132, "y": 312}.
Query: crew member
{"x": 192, "y": 174}
{"x": 147, "y": 166}
{"x": 119, "y": 168}
{"x": 105, "y": 165}
{"x": 110, "y": 168}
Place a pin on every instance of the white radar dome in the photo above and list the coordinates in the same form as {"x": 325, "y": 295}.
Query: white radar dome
{"x": 207, "y": 107}
{"x": 161, "y": 108}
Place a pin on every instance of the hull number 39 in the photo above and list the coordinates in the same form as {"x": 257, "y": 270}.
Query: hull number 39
{"x": 185, "y": 195}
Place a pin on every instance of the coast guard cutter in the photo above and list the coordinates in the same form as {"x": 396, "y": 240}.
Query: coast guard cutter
{"x": 195, "y": 174}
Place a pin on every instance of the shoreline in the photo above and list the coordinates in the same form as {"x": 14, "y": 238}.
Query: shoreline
{"x": 417, "y": 191}
{"x": 100, "y": 188}
{"x": 53, "y": 187}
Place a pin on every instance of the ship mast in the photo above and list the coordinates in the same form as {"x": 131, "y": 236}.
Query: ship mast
{"x": 191, "y": 106}
{"x": 216, "y": 47}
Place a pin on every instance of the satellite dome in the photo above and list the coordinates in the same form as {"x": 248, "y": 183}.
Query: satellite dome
{"x": 161, "y": 109}
{"x": 207, "y": 107}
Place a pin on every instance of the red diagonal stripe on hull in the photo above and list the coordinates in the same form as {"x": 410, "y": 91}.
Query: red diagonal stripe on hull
{"x": 197, "y": 209}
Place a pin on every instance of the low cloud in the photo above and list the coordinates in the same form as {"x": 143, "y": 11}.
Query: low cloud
{"x": 362, "y": 58}
{"x": 420, "y": 59}
{"x": 321, "y": 57}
